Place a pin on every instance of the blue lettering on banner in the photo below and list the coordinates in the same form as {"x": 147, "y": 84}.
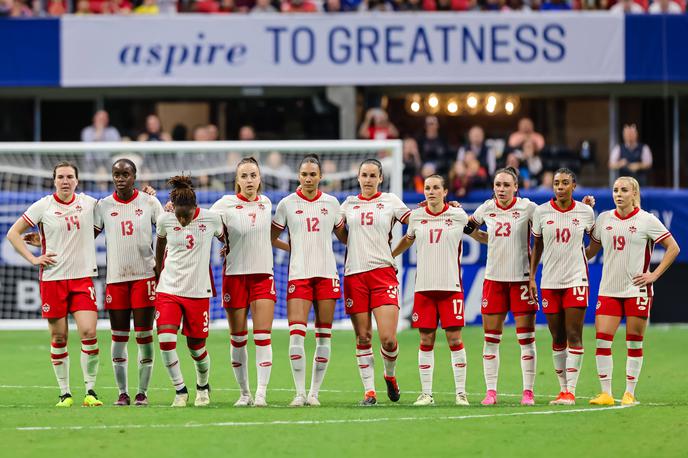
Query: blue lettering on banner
{"x": 521, "y": 38}
{"x": 173, "y": 55}
{"x": 365, "y": 44}
{"x": 310, "y": 39}
{"x": 497, "y": 43}
{"x": 444, "y": 30}
{"x": 344, "y": 47}
{"x": 478, "y": 48}
{"x": 276, "y": 31}
{"x": 421, "y": 46}
{"x": 393, "y": 43}
{"x": 549, "y": 34}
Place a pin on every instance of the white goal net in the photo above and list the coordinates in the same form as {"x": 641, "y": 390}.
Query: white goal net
{"x": 26, "y": 176}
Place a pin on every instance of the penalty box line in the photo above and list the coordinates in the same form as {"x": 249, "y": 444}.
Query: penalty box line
{"x": 238, "y": 424}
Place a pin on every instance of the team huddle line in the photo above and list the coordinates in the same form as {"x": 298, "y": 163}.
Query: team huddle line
{"x": 165, "y": 280}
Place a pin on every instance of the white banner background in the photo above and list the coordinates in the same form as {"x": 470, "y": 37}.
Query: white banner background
{"x": 351, "y": 49}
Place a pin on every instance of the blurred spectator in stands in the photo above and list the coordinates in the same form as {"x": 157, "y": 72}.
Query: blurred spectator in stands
{"x": 490, "y": 5}
{"x": 408, "y": 5}
{"x": 299, "y": 6}
{"x": 200, "y": 134}
{"x": 627, "y": 7}
{"x": 148, "y": 7}
{"x": 547, "y": 180}
{"x": 467, "y": 174}
{"x": 555, "y": 5}
{"x": 476, "y": 144}
{"x": 210, "y": 183}
{"x": 263, "y": 6}
{"x": 529, "y": 160}
{"x": 664, "y": 7}
{"x": 524, "y": 178}
{"x": 247, "y": 132}
{"x": 154, "y": 132}
{"x": 100, "y": 130}
{"x": 83, "y": 7}
{"x": 20, "y": 8}
{"x": 432, "y": 146}
{"x": 515, "y": 5}
{"x": 412, "y": 163}
{"x": 376, "y": 5}
{"x": 56, "y": 8}
{"x": 631, "y": 158}
{"x": 332, "y": 6}
{"x": 376, "y": 126}
{"x": 179, "y": 133}
{"x": 526, "y": 131}
{"x": 329, "y": 184}
{"x": 114, "y": 7}
{"x": 275, "y": 173}
{"x": 213, "y": 133}
{"x": 425, "y": 171}
{"x": 206, "y": 6}
{"x": 229, "y": 6}
{"x": 446, "y": 5}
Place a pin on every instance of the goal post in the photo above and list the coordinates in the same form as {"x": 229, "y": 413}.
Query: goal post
{"x": 26, "y": 176}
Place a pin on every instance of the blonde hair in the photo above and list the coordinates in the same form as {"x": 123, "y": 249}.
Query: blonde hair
{"x": 635, "y": 186}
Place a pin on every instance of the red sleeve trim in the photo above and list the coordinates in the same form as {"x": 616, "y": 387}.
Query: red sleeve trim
{"x": 341, "y": 222}
{"x": 162, "y": 236}
{"x": 475, "y": 221}
{"x": 279, "y": 226}
{"x": 404, "y": 217}
{"x": 592, "y": 237}
{"x": 536, "y": 235}
{"x": 28, "y": 220}
{"x": 409, "y": 237}
{"x": 662, "y": 237}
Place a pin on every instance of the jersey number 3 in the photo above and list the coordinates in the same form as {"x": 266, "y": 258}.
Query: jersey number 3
{"x": 190, "y": 242}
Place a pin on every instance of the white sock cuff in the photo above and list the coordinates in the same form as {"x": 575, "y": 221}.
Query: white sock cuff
{"x": 167, "y": 337}
{"x": 297, "y": 328}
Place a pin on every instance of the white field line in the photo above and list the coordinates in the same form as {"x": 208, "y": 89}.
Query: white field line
{"x": 232, "y": 424}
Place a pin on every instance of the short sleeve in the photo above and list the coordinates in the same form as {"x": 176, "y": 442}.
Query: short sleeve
{"x": 156, "y": 210}
{"x": 219, "y": 229}
{"x": 160, "y": 227}
{"x": 401, "y": 211}
{"x": 341, "y": 215}
{"x": 536, "y": 228}
{"x": 531, "y": 209}
{"x": 479, "y": 214}
{"x": 280, "y": 218}
{"x": 595, "y": 233}
{"x": 412, "y": 226}
{"x": 462, "y": 216}
{"x": 656, "y": 231}
{"x": 98, "y": 216}
{"x": 591, "y": 220}
{"x": 34, "y": 214}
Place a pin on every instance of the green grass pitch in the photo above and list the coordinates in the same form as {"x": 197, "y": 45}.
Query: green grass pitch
{"x": 30, "y": 426}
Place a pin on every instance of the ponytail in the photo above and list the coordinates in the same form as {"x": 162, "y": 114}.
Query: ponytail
{"x": 182, "y": 193}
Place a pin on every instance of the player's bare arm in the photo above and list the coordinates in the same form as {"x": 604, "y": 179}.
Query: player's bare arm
{"x": 534, "y": 261}
{"x": 14, "y": 235}
{"x": 275, "y": 232}
{"x": 672, "y": 251}
{"x": 342, "y": 233}
{"x": 592, "y": 249}
{"x": 160, "y": 246}
{"x": 403, "y": 245}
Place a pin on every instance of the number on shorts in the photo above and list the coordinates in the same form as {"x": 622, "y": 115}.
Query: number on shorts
{"x": 525, "y": 296}
{"x": 563, "y": 235}
{"x": 503, "y": 230}
{"x": 127, "y": 228}
{"x": 619, "y": 242}
{"x": 458, "y": 306}
{"x": 190, "y": 241}
{"x": 92, "y": 292}
{"x": 335, "y": 282}
{"x": 206, "y": 321}
{"x": 367, "y": 219}
{"x": 642, "y": 301}
{"x": 579, "y": 291}
{"x": 151, "y": 287}
{"x": 438, "y": 234}
{"x": 312, "y": 224}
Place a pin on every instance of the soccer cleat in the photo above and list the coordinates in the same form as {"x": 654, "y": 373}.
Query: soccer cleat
{"x": 392, "y": 389}
{"x": 424, "y": 399}
{"x": 370, "y": 399}
{"x": 490, "y": 398}
{"x": 569, "y": 399}
{"x": 123, "y": 400}
{"x": 559, "y": 400}
{"x": 527, "y": 398}
{"x": 260, "y": 401}
{"x": 181, "y": 398}
{"x": 628, "y": 399}
{"x": 141, "y": 400}
{"x": 602, "y": 399}
{"x": 312, "y": 400}
{"x": 91, "y": 400}
{"x": 244, "y": 400}
{"x": 462, "y": 400}
{"x": 66, "y": 400}
{"x": 299, "y": 401}
{"x": 202, "y": 396}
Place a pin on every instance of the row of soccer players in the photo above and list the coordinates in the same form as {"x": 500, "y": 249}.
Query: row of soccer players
{"x": 364, "y": 223}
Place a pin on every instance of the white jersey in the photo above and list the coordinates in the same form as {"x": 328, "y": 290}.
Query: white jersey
{"x": 627, "y": 244}
{"x": 564, "y": 264}
{"x": 247, "y": 229}
{"x": 508, "y": 242}
{"x": 310, "y": 224}
{"x": 66, "y": 230}
{"x": 370, "y": 223}
{"x": 438, "y": 244}
{"x": 187, "y": 261}
{"x": 128, "y": 229}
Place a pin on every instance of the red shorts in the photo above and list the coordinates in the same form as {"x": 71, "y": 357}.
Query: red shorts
{"x": 311, "y": 289}
{"x": 238, "y": 291}
{"x": 368, "y": 290}
{"x": 556, "y": 300}
{"x": 429, "y": 307}
{"x": 170, "y": 309}
{"x": 624, "y": 306}
{"x": 504, "y": 296}
{"x": 60, "y": 297}
{"x": 126, "y": 295}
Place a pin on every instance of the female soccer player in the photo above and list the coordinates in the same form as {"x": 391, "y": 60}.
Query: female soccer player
{"x": 311, "y": 216}
{"x": 505, "y": 288}
{"x": 370, "y": 282}
{"x": 628, "y": 235}
{"x": 558, "y": 227}
{"x": 185, "y": 286}
{"x": 248, "y": 281}
{"x": 438, "y": 229}
{"x": 128, "y": 216}
{"x": 67, "y": 263}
